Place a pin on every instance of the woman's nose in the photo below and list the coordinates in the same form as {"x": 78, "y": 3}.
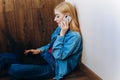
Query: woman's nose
{"x": 54, "y": 19}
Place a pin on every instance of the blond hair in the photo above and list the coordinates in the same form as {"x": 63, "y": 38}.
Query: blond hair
{"x": 67, "y": 8}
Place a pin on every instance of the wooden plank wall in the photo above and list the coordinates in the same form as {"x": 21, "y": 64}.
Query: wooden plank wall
{"x": 29, "y": 21}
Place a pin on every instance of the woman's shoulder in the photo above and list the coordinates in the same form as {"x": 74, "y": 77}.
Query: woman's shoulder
{"x": 74, "y": 33}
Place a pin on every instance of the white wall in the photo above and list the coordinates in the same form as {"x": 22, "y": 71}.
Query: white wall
{"x": 100, "y": 25}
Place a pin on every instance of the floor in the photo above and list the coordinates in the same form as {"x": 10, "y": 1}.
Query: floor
{"x": 77, "y": 75}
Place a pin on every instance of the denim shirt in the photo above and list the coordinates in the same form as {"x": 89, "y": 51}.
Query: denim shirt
{"x": 66, "y": 50}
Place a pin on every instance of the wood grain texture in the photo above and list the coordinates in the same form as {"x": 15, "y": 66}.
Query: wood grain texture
{"x": 1, "y": 6}
{"x": 31, "y": 22}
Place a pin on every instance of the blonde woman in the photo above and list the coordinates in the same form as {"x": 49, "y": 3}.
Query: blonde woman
{"x": 62, "y": 53}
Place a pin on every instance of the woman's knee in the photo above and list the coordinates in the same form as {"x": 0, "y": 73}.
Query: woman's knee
{"x": 13, "y": 70}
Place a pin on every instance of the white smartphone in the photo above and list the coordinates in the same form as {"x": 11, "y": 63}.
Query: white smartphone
{"x": 67, "y": 18}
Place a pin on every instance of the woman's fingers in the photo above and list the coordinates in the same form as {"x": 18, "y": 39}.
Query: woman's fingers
{"x": 64, "y": 25}
{"x": 64, "y": 28}
{"x": 27, "y": 51}
{"x": 34, "y": 51}
{"x": 67, "y": 23}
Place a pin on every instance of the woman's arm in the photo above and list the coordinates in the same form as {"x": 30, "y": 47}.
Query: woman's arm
{"x": 62, "y": 50}
{"x": 44, "y": 48}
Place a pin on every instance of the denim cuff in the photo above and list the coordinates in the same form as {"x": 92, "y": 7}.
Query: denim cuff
{"x": 60, "y": 38}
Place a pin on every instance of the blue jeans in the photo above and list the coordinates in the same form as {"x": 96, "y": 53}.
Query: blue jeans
{"x": 6, "y": 59}
{"x": 31, "y": 72}
{"x": 26, "y": 71}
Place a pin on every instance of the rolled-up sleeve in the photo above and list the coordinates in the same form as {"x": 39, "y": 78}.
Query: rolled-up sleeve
{"x": 44, "y": 48}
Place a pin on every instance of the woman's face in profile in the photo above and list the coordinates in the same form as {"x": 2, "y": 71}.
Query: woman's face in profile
{"x": 58, "y": 17}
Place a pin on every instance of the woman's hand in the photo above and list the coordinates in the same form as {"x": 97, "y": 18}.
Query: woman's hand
{"x": 33, "y": 51}
{"x": 64, "y": 27}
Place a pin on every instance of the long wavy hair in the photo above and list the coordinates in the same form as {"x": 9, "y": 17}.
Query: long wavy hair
{"x": 67, "y": 8}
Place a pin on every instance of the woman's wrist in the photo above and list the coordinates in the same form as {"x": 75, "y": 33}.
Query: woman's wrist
{"x": 38, "y": 51}
{"x": 61, "y": 34}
